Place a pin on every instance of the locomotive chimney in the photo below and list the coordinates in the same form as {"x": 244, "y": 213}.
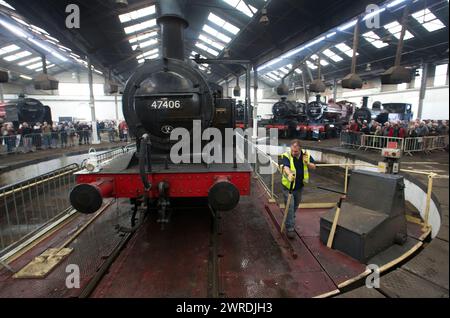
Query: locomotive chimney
{"x": 172, "y": 23}
{"x": 365, "y": 103}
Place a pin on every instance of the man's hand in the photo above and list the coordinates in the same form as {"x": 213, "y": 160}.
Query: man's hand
{"x": 311, "y": 166}
{"x": 291, "y": 177}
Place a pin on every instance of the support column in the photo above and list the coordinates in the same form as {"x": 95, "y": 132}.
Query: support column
{"x": 335, "y": 90}
{"x": 227, "y": 89}
{"x": 2, "y": 97}
{"x": 95, "y": 140}
{"x": 255, "y": 102}
{"x": 305, "y": 91}
{"x": 117, "y": 106}
{"x": 423, "y": 89}
{"x": 247, "y": 94}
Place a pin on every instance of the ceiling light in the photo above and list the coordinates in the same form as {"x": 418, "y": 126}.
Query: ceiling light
{"x": 6, "y": 4}
{"x": 347, "y": 25}
{"x": 264, "y": 20}
{"x": 14, "y": 29}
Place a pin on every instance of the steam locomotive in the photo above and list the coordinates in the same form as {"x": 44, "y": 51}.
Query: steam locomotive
{"x": 161, "y": 96}
{"x": 286, "y": 116}
{"x": 383, "y": 112}
{"x": 27, "y": 110}
{"x": 315, "y": 120}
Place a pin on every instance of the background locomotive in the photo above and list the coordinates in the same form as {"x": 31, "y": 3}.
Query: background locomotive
{"x": 317, "y": 120}
{"x": 27, "y": 110}
{"x": 383, "y": 112}
{"x": 160, "y": 96}
{"x": 286, "y": 116}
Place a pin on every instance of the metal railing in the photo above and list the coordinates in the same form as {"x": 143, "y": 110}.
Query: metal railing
{"x": 408, "y": 145}
{"x": 273, "y": 186}
{"x": 28, "y": 205}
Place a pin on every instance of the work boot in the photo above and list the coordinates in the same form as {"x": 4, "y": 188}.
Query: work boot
{"x": 290, "y": 234}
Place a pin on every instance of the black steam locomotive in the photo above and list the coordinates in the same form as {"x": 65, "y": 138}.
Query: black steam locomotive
{"x": 286, "y": 116}
{"x": 317, "y": 120}
{"x": 27, "y": 110}
{"x": 163, "y": 95}
{"x": 383, "y": 113}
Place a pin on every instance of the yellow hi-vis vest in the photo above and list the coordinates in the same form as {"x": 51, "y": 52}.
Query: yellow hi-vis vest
{"x": 284, "y": 179}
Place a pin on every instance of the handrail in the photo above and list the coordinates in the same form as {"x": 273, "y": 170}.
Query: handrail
{"x": 431, "y": 177}
{"x": 53, "y": 173}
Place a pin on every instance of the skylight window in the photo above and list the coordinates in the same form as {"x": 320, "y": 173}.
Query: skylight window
{"x": 332, "y": 56}
{"x": 344, "y": 48}
{"x": 8, "y": 49}
{"x": 6, "y": 4}
{"x": 216, "y": 34}
{"x": 440, "y": 75}
{"x": 41, "y": 31}
{"x": 52, "y": 38}
{"x": 240, "y": 5}
{"x": 211, "y": 42}
{"x": 395, "y": 29}
{"x": 311, "y": 65}
{"x": 61, "y": 47}
{"x": 145, "y": 44}
{"x": 223, "y": 24}
{"x": 268, "y": 78}
{"x": 17, "y": 56}
{"x": 20, "y": 21}
{"x": 428, "y": 20}
{"x": 48, "y": 67}
{"x": 206, "y": 49}
{"x": 147, "y": 54}
{"x": 137, "y": 14}
{"x": 140, "y": 26}
{"x": 194, "y": 53}
{"x": 374, "y": 39}
{"x": 323, "y": 62}
{"x": 143, "y": 36}
{"x": 36, "y": 65}
{"x": 272, "y": 76}
{"x": 29, "y": 61}
{"x": 298, "y": 71}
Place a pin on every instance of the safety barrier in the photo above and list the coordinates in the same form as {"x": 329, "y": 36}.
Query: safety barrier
{"x": 272, "y": 184}
{"x": 28, "y": 205}
{"x": 409, "y": 145}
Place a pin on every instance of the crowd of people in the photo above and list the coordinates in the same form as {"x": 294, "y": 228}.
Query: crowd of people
{"x": 393, "y": 129}
{"x": 400, "y": 129}
{"x": 28, "y": 137}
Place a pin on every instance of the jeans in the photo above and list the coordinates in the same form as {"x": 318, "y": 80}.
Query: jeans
{"x": 295, "y": 201}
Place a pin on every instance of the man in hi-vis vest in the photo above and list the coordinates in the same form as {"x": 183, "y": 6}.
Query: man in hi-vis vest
{"x": 295, "y": 164}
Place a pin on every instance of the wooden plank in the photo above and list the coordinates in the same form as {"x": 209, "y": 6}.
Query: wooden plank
{"x": 43, "y": 264}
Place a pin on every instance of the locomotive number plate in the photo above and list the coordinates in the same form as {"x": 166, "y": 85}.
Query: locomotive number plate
{"x": 165, "y": 104}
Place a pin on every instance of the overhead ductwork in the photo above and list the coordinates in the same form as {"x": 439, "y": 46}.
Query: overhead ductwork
{"x": 399, "y": 74}
{"x": 4, "y": 76}
{"x": 352, "y": 80}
